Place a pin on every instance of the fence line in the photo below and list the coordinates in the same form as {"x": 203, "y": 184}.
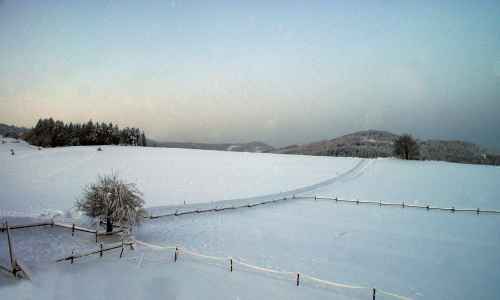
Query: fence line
{"x": 16, "y": 267}
{"x": 293, "y": 275}
{"x": 99, "y": 251}
{"x": 315, "y": 197}
{"x": 73, "y": 228}
{"x": 403, "y": 205}
{"x": 217, "y": 209}
{"x": 4, "y": 228}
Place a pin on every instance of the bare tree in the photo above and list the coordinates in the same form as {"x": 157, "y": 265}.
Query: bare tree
{"x": 406, "y": 147}
{"x": 114, "y": 200}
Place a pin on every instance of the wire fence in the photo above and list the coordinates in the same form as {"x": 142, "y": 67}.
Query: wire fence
{"x": 298, "y": 278}
{"x": 211, "y": 207}
{"x": 406, "y": 205}
{"x": 99, "y": 251}
{"x": 176, "y": 253}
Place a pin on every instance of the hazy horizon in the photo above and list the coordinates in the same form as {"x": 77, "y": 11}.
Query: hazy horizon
{"x": 281, "y": 72}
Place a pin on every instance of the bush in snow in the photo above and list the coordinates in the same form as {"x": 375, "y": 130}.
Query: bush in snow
{"x": 406, "y": 147}
{"x": 113, "y": 200}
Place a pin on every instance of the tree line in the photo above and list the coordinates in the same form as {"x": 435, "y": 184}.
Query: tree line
{"x": 56, "y": 133}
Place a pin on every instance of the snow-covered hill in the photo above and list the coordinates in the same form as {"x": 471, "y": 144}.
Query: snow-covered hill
{"x": 377, "y": 143}
{"x": 35, "y": 180}
{"x": 432, "y": 183}
{"x": 413, "y": 253}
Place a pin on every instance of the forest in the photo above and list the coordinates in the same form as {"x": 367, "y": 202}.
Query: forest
{"x": 55, "y": 133}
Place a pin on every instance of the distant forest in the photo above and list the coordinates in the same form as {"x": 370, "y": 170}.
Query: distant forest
{"x": 50, "y": 133}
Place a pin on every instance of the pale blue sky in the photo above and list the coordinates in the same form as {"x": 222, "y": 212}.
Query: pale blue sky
{"x": 278, "y": 71}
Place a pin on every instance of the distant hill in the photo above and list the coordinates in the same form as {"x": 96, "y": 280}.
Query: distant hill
{"x": 12, "y": 131}
{"x": 369, "y": 143}
{"x": 239, "y": 147}
{"x": 376, "y": 143}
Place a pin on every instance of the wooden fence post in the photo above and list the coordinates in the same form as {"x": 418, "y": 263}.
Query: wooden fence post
{"x": 175, "y": 254}
{"x": 298, "y": 279}
{"x": 101, "y": 251}
{"x": 374, "y": 292}
{"x": 73, "y": 230}
{"x": 121, "y": 253}
{"x": 11, "y": 251}
{"x": 72, "y": 256}
{"x": 231, "y": 264}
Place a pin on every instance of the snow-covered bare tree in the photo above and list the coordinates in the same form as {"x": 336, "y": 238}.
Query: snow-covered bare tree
{"x": 113, "y": 200}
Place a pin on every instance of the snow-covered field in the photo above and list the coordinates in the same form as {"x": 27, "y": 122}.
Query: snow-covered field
{"x": 415, "y": 253}
{"x": 34, "y": 181}
{"x": 422, "y": 182}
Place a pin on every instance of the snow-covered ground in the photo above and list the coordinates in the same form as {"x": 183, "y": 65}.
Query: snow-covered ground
{"x": 416, "y": 253}
{"x": 411, "y": 252}
{"x": 422, "y": 182}
{"x": 34, "y": 181}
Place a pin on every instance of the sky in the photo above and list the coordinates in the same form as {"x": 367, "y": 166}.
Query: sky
{"x": 281, "y": 72}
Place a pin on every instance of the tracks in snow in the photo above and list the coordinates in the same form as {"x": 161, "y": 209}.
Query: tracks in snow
{"x": 349, "y": 175}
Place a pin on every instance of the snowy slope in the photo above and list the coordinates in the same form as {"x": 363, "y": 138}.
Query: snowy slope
{"x": 52, "y": 179}
{"x": 182, "y": 281}
{"x": 422, "y": 182}
{"x": 415, "y": 253}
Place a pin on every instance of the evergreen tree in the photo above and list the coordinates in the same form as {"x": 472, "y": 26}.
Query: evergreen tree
{"x": 143, "y": 139}
{"x": 50, "y": 133}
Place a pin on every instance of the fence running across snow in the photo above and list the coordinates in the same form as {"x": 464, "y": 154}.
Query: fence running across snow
{"x": 99, "y": 251}
{"x": 297, "y": 277}
{"x": 238, "y": 264}
{"x": 404, "y": 205}
{"x": 230, "y": 205}
{"x": 72, "y": 226}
